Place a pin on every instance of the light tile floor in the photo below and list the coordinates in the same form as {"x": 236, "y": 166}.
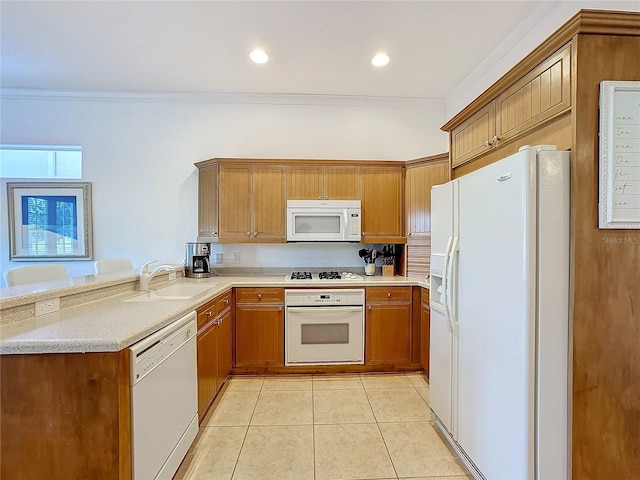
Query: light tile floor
{"x": 374, "y": 426}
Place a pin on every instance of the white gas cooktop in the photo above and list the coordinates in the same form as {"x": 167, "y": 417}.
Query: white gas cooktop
{"x": 329, "y": 276}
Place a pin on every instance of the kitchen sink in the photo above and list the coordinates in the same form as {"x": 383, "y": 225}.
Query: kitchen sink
{"x": 171, "y": 292}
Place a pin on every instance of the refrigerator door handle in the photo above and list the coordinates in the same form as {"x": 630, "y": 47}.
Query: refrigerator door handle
{"x": 445, "y": 271}
{"x": 452, "y": 314}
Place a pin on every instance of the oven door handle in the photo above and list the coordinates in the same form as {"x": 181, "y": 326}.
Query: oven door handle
{"x": 325, "y": 307}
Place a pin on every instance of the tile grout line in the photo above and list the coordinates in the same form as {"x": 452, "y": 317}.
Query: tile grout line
{"x": 246, "y": 433}
{"x": 379, "y": 430}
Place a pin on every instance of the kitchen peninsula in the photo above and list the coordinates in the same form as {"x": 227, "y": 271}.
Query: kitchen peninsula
{"x": 67, "y": 374}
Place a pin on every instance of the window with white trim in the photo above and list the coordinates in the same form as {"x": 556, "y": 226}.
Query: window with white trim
{"x": 40, "y": 161}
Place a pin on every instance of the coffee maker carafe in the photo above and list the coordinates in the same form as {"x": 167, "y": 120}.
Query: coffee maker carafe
{"x": 197, "y": 260}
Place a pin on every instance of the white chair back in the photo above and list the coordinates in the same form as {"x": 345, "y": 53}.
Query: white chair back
{"x": 35, "y": 274}
{"x": 112, "y": 265}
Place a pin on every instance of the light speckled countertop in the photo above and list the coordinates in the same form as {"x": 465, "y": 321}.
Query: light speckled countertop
{"x": 109, "y": 325}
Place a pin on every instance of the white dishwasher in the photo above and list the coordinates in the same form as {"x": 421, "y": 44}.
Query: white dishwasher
{"x": 164, "y": 398}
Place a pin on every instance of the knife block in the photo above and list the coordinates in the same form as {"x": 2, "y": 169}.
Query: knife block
{"x": 389, "y": 270}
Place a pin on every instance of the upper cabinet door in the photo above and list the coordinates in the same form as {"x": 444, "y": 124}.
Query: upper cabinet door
{"x": 305, "y": 182}
{"x": 538, "y": 96}
{"x": 418, "y": 196}
{"x": 474, "y": 136}
{"x": 341, "y": 183}
{"x": 269, "y": 203}
{"x": 235, "y": 202}
{"x": 208, "y": 201}
{"x": 382, "y": 204}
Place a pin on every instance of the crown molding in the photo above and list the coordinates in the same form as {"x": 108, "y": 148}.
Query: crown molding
{"x": 219, "y": 98}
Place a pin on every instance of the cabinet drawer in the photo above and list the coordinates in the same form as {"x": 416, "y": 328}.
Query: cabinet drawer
{"x": 206, "y": 313}
{"x": 388, "y": 294}
{"x": 259, "y": 295}
{"x": 424, "y": 296}
{"x": 223, "y": 301}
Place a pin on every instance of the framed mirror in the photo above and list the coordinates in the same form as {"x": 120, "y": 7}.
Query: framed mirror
{"x": 50, "y": 221}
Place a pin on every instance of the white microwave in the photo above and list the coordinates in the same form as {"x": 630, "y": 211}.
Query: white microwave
{"x": 323, "y": 220}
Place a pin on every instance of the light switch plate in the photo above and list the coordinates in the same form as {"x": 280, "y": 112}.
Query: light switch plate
{"x": 47, "y": 306}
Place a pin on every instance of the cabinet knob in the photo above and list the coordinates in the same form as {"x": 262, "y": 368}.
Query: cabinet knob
{"x": 255, "y": 234}
{"x": 496, "y": 138}
{"x": 487, "y": 143}
{"x": 369, "y": 307}
{"x": 388, "y": 294}
{"x": 408, "y": 234}
{"x": 215, "y": 234}
{"x": 326, "y": 197}
{"x": 259, "y": 296}
{"x": 225, "y": 301}
{"x": 248, "y": 234}
{"x": 209, "y": 314}
{"x": 319, "y": 197}
{"x": 279, "y": 309}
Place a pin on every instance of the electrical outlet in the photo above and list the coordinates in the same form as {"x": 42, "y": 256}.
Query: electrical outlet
{"x": 236, "y": 257}
{"x": 172, "y": 275}
{"x": 219, "y": 258}
{"x": 47, "y": 306}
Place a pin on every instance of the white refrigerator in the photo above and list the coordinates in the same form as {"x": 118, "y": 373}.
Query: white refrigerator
{"x": 500, "y": 315}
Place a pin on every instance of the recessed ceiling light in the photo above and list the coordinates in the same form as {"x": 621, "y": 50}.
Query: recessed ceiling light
{"x": 380, "y": 60}
{"x": 258, "y": 55}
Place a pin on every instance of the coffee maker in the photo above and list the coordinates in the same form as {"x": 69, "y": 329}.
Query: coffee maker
{"x": 196, "y": 263}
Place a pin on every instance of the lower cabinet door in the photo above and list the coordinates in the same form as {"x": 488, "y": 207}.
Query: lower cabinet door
{"x": 425, "y": 324}
{"x": 388, "y": 329}
{"x": 259, "y": 335}
{"x": 224, "y": 348}
{"x": 207, "y": 353}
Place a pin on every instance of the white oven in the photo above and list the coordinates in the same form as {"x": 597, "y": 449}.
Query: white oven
{"x": 324, "y": 327}
{"x": 323, "y": 221}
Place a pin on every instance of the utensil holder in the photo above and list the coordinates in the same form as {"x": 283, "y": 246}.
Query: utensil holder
{"x": 369, "y": 269}
{"x": 389, "y": 270}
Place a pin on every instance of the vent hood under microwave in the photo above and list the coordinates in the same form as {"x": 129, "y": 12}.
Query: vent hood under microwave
{"x": 323, "y": 221}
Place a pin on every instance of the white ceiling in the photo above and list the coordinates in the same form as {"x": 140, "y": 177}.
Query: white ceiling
{"x": 315, "y": 47}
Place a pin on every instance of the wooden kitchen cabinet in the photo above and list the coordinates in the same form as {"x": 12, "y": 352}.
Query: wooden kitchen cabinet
{"x": 259, "y": 327}
{"x": 425, "y": 329}
{"x": 420, "y": 177}
{"x": 382, "y": 204}
{"x": 388, "y": 326}
{"x": 208, "y": 202}
{"x": 213, "y": 349}
{"x": 323, "y": 182}
{"x": 252, "y": 203}
{"x": 538, "y": 96}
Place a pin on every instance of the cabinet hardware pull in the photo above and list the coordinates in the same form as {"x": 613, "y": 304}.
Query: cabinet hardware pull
{"x": 255, "y": 234}
{"x": 248, "y": 234}
{"x": 487, "y": 143}
{"x": 388, "y": 294}
{"x": 279, "y": 309}
{"x": 326, "y": 197}
{"x": 408, "y": 234}
{"x": 259, "y": 296}
{"x": 496, "y": 138}
{"x": 225, "y": 301}
{"x": 369, "y": 307}
{"x": 209, "y": 314}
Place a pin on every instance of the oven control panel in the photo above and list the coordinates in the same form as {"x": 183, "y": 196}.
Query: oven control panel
{"x": 323, "y": 297}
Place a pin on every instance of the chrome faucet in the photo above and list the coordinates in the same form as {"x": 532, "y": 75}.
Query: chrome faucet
{"x": 145, "y": 276}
